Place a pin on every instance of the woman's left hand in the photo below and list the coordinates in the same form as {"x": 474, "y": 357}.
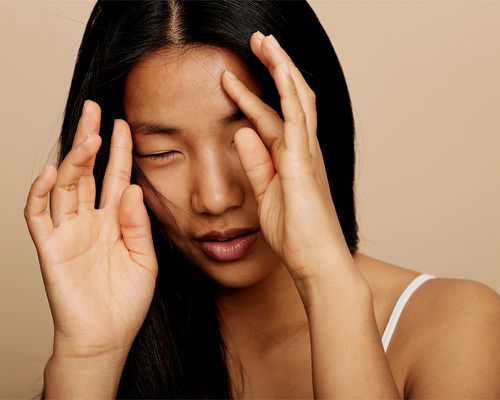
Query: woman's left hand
{"x": 284, "y": 165}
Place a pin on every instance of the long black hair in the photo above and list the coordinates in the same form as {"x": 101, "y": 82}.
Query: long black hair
{"x": 179, "y": 351}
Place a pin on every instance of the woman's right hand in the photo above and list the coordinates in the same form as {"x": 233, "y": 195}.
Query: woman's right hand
{"x": 98, "y": 266}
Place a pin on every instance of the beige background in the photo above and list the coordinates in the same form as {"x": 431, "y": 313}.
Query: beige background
{"x": 425, "y": 85}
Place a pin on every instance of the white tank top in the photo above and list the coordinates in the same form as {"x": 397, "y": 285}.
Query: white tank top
{"x": 398, "y": 308}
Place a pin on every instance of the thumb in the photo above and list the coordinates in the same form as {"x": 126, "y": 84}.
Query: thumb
{"x": 136, "y": 228}
{"x": 255, "y": 160}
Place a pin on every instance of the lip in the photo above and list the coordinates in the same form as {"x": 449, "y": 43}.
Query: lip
{"x": 225, "y": 235}
{"x": 228, "y": 245}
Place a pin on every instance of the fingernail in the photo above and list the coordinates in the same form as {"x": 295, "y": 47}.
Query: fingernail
{"x": 230, "y": 74}
{"x": 86, "y": 106}
{"x": 45, "y": 170}
{"x": 259, "y": 35}
{"x": 274, "y": 41}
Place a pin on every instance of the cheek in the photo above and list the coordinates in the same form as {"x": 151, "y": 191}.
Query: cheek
{"x": 167, "y": 196}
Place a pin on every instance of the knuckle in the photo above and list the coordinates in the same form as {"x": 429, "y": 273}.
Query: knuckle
{"x": 293, "y": 91}
{"x": 74, "y": 159}
{"x": 300, "y": 116}
{"x": 119, "y": 174}
{"x": 121, "y": 146}
{"x": 67, "y": 187}
{"x": 88, "y": 170}
{"x": 87, "y": 203}
{"x": 284, "y": 65}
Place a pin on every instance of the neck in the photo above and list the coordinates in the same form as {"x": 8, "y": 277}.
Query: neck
{"x": 258, "y": 317}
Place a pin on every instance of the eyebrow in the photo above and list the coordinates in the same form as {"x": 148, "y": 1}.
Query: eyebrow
{"x": 157, "y": 128}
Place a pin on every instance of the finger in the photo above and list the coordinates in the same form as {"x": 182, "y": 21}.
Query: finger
{"x": 255, "y": 160}
{"x": 39, "y": 223}
{"x": 136, "y": 228}
{"x": 118, "y": 170}
{"x": 89, "y": 124}
{"x": 271, "y": 54}
{"x": 266, "y": 120}
{"x": 64, "y": 195}
{"x": 295, "y": 136}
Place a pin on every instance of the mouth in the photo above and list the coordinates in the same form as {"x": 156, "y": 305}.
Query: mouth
{"x": 222, "y": 236}
{"x": 229, "y": 245}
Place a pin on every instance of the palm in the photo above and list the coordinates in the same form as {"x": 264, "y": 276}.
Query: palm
{"x": 282, "y": 219}
{"x": 93, "y": 282}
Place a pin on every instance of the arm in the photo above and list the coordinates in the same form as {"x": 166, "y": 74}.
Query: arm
{"x": 284, "y": 164}
{"x": 93, "y": 261}
{"x": 459, "y": 356}
{"x": 348, "y": 359}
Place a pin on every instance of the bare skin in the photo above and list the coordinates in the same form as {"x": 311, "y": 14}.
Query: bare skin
{"x": 263, "y": 294}
{"x": 280, "y": 368}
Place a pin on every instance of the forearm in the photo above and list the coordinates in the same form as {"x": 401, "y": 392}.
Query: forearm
{"x": 348, "y": 360}
{"x": 85, "y": 378}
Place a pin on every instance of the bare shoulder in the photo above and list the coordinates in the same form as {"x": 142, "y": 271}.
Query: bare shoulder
{"x": 456, "y": 298}
{"x": 447, "y": 341}
{"x": 452, "y": 329}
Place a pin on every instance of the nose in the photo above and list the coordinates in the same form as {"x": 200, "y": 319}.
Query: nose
{"x": 218, "y": 187}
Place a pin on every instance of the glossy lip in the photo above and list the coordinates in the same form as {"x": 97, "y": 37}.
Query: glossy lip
{"x": 229, "y": 245}
{"x": 225, "y": 235}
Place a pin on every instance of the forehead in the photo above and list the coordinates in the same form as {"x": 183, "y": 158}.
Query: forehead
{"x": 169, "y": 83}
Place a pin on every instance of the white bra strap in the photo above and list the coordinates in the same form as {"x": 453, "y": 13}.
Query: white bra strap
{"x": 398, "y": 308}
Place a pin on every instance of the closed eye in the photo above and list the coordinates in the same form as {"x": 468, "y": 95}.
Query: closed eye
{"x": 166, "y": 154}
{"x": 158, "y": 156}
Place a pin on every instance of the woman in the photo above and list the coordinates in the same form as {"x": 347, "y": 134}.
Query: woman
{"x": 202, "y": 239}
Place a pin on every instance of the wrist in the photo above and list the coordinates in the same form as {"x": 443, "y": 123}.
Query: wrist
{"x": 85, "y": 350}
{"x": 93, "y": 377}
{"x": 329, "y": 263}
{"x": 338, "y": 282}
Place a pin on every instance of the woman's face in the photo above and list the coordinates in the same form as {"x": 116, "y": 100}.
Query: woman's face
{"x": 178, "y": 110}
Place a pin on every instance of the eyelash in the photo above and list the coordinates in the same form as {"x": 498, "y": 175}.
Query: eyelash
{"x": 164, "y": 155}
